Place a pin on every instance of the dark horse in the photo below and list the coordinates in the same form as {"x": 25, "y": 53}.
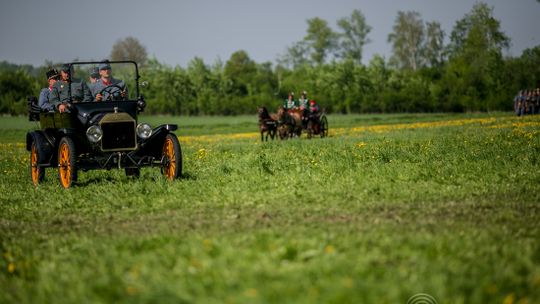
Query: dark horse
{"x": 289, "y": 123}
{"x": 267, "y": 124}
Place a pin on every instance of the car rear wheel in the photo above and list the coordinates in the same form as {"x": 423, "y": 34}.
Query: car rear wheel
{"x": 171, "y": 157}
{"x": 67, "y": 162}
{"x": 37, "y": 173}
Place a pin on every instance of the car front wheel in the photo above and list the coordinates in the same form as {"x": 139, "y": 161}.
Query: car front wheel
{"x": 67, "y": 162}
{"x": 171, "y": 157}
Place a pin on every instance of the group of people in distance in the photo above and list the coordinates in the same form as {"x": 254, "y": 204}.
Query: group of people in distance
{"x": 527, "y": 102}
{"x": 308, "y": 108}
{"x": 56, "y": 97}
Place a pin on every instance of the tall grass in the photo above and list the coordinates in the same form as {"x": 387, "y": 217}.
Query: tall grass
{"x": 383, "y": 209}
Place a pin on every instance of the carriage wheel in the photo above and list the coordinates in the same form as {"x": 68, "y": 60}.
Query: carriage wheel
{"x": 67, "y": 162}
{"x": 324, "y": 127}
{"x": 172, "y": 157}
{"x": 37, "y": 173}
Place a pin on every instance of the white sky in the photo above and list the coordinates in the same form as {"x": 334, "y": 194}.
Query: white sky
{"x": 33, "y": 31}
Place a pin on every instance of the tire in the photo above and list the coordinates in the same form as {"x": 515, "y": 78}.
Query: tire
{"x": 324, "y": 127}
{"x": 171, "y": 157}
{"x": 67, "y": 162}
{"x": 37, "y": 173}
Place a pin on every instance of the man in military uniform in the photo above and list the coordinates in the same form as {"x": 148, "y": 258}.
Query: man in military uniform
{"x": 518, "y": 103}
{"x": 94, "y": 76}
{"x": 68, "y": 90}
{"x": 536, "y": 97}
{"x": 45, "y": 94}
{"x": 107, "y": 87}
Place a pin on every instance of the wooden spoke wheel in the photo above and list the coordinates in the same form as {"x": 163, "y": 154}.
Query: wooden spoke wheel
{"x": 67, "y": 162}
{"x": 171, "y": 157}
{"x": 37, "y": 173}
{"x": 324, "y": 126}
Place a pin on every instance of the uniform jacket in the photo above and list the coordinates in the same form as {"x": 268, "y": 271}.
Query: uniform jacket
{"x": 44, "y": 100}
{"x": 61, "y": 93}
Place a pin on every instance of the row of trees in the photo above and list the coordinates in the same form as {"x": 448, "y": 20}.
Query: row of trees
{"x": 423, "y": 74}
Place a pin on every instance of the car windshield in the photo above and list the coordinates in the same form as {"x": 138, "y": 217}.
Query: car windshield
{"x": 120, "y": 76}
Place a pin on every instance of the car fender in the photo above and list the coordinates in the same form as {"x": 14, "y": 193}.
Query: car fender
{"x": 161, "y": 131}
{"x": 43, "y": 144}
{"x": 168, "y": 127}
{"x": 153, "y": 144}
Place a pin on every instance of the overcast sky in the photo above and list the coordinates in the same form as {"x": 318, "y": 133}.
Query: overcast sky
{"x": 32, "y": 31}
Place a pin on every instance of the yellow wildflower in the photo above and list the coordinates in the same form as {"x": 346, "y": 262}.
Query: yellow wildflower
{"x": 329, "y": 249}
{"x": 251, "y": 293}
{"x": 11, "y": 268}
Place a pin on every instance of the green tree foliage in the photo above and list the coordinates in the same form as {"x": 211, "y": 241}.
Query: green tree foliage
{"x": 434, "y": 44}
{"x": 321, "y": 40}
{"x": 129, "y": 48}
{"x": 407, "y": 39}
{"x": 240, "y": 69}
{"x": 527, "y": 69}
{"x": 423, "y": 75}
{"x": 295, "y": 56}
{"x": 354, "y": 36}
{"x": 15, "y": 87}
{"x": 477, "y": 32}
{"x": 476, "y": 62}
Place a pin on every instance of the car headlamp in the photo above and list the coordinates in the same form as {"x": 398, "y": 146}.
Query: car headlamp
{"x": 144, "y": 130}
{"x": 94, "y": 134}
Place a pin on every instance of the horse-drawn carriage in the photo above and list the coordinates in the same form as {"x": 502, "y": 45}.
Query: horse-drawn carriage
{"x": 289, "y": 123}
{"x": 317, "y": 124}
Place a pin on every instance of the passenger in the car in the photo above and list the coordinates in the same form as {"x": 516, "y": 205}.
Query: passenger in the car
{"x": 67, "y": 90}
{"x": 92, "y": 78}
{"x": 45, "y": 94}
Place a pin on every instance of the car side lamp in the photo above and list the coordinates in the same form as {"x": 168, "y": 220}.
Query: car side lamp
{"x": 94, "y": 133}
{"x": 144, "y": 130}
{"x": 141, "y": 104}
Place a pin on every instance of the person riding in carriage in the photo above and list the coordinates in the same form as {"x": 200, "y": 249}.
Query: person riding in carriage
{"x": 314, "y": 112}
{"x": 290, "y": 103}
{"x": 304, "y": 108}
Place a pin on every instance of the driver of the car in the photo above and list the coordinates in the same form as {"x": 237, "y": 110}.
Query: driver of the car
{"x": 107, "y": 87}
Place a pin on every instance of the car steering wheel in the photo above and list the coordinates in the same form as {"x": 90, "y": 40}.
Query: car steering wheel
{"x": 110, "y": 90}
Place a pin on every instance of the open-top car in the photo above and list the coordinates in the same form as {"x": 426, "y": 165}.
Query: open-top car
{"x": 102, "y": 133}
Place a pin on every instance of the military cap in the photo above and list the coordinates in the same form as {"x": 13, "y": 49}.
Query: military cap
{"x": 52, "y": 73}
{"x": 94, "y": 72}
{"x": 104, "y": 65}
{"x": 66, "y": 68}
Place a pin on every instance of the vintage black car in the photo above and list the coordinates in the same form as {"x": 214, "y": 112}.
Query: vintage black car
{"x": 101, "y": 134}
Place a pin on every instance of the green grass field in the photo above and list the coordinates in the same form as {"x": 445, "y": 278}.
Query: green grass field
{"x": 387, "y": 207}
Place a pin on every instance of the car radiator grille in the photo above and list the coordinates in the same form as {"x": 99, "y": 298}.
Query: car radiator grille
{"x": 118, "y": 136}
